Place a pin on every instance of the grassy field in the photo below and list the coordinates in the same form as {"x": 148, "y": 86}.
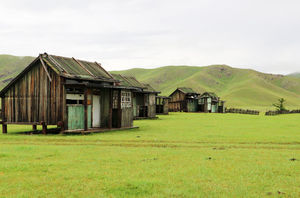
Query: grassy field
{"x": 180, "y": 155}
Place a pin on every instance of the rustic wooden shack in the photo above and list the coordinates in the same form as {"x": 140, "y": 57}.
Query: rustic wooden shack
{"x": 144, "y": 106}
{"x": 209, "y": 102}
{"x": 184, "y": 99}
{"x": 76, "y": 95}
{"x": 162, "y": 105}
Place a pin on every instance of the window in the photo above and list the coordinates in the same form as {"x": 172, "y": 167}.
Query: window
{"x": 125, "y": 99}
{"x": 75, "y": 99}
{"x": 115, "y": 99}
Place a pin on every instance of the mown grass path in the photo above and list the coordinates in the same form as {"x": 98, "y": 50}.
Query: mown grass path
{"x": 180, "y": 155}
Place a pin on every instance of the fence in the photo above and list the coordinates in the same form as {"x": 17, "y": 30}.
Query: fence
{"x": 242, "y": 111}
{"x": 272, "y": 113}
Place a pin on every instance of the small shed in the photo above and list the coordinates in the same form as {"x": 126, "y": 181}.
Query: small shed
{"x": 144, "y": 106}
{"x": 183, "y": 99}
{"x": 209, "y": 102}
{"x": 73, "y": 94}
{"x": 162, "y": 105}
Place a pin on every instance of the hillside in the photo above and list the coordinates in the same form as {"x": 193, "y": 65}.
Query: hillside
{"x": 297, "y": 74}
{"x": 10, "y": 66}
{"x": 239, "y": 87}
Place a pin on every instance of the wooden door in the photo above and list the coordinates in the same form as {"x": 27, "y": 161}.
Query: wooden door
{"x": 96, "y": 111}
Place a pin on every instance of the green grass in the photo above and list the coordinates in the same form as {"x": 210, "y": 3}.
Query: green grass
{"x": 180, "y": 155}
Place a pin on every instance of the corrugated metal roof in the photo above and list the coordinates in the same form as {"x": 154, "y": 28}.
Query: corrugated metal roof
{"x": 186, "y": 90}
{"x": 123, "y": 81}
{"x": 149, "y": 88}
{"x": 209, "y": 94}
{"x": 130, "y": 81}
{"x": 71, "y": 67}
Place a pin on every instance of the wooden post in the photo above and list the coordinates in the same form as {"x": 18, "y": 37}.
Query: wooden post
{"x": 60, "y": 125}
{"x": 85, "y": 109}
{"x": 34, "y": 128}
{"x": 110, "y": 109}
{"x": 4, "y": 128}
{"x": 44, "y": 128}
{"x": 64, "y": 104}
{"x": 119, "y": 110}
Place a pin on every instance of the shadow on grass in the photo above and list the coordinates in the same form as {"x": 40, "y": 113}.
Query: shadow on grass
{"x": 56, "y": 131}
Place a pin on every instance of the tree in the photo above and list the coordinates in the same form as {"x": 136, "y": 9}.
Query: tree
{"x": 280, "y": 105}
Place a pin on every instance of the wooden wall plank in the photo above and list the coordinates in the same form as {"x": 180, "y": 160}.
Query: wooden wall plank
{"x": 29, "y": 100}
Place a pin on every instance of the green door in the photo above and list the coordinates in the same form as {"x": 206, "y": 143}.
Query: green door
{"x": 213, "y": 108}
{"x": 76, "y": 117}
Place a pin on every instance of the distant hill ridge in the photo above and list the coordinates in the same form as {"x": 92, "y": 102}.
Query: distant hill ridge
{"x": 243, "y": 88}
{"x": 10, "y": 66}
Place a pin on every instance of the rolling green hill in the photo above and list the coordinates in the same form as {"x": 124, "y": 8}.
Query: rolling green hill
{"x": 239, "y": 87}
{"x": 10, "y": 66}
{"x": 297, "y": 74}
{"x": 242, "y": 88}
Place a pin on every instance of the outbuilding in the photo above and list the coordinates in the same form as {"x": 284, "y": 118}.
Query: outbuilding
{"x": 144, "y": 95}
{"x": 184, "y": 99}
{"x": 209, "y": 102}
{"x": 162, "y": 105}
{"x": 73, "y": 94}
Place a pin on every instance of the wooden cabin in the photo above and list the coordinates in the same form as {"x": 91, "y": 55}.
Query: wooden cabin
{"x": 162, "y": 105}
{"x": 209, "y": 102}
{"x": 73, "y": 94}
{"x": 144, "y": 106}
{"x": 183, "y": 99}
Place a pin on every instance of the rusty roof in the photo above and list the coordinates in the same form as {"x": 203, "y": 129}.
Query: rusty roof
{"x": 75, "y": 68}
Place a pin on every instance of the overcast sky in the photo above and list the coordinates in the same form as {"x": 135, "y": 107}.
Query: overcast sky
{"x": 260, "y": 34}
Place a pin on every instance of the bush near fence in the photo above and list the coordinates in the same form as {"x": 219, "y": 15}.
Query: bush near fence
{"x": 242, "y": 111}
{"x": 271, "y": 113}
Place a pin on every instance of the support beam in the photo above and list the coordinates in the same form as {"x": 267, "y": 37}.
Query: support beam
{"x": 119, "y": 109}
{"x": 4, "y": 125}
{"x": 85, "y": 109}
{"x": 45, "y": 68}
{"x": 104, "y": 70}
{"x": 110, "y": 108}
{"x": 81, "y": 65}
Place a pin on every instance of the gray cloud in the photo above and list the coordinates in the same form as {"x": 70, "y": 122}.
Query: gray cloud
{"x": 262, "y": 35}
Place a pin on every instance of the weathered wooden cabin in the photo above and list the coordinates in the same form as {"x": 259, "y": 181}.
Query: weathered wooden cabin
{"x": 162, "y": 105}
{"x": 144, "y": 106}
{"x": 209, "y": 102}
{"x": 184, "y": 99}
{"x": 76, "y": 95}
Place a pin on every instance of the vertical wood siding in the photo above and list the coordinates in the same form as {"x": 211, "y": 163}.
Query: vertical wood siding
{"x": 176, "y": 102}
{"x": 127, "y": 115}
{"x": 151, "y": 106}
{"x": 166, "y": 106}
{"x": 33, "y": 98}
